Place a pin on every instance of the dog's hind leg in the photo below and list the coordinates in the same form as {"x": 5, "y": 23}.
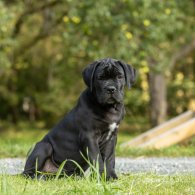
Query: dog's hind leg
{"x": 37, "y": 158}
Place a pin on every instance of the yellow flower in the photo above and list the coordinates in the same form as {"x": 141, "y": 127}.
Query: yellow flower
{"x": 180, "y": 76}
{"x": 191, "y": 105}
{"x": 76, "y": 19}
{"x": 179, "y": 109}
{"x": 180, "y": 93}
{"x": 124, "y": 27}
{"x": 145, "y": 96}
{"x": 4, "y": 28}
{"x": 144, "y": 63}
{"x": 59, "y": 56}
{"x": 146, "y": 22}
{"x": 144, "y": 85}
{"x": 129, "y": 35}
{"x": 167, "y": 11}
{"x": 66, "y": 19}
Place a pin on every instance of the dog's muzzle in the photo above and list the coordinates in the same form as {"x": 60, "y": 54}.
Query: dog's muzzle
{"x": 111, "y": 89}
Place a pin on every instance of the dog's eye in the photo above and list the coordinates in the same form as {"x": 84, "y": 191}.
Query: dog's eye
{"x": 120, "y": 77}
{"x": 101, "y": 78}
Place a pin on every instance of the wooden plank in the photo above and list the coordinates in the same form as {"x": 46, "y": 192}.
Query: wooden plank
{"x": 175, "y": 135}
{"x": 159, "y": 129}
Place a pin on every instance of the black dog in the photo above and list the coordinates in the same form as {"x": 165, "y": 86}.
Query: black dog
{"x": 89, "y": 129}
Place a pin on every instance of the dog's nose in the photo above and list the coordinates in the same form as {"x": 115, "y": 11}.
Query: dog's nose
{"x": 111, "y": 89}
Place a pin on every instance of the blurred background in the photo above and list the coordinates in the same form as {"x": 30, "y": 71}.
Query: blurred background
{"x": 45, "y": 45}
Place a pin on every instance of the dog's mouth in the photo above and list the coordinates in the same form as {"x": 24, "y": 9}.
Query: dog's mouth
{"x": 112, "y": 99}
{"x": 109, "y": 99}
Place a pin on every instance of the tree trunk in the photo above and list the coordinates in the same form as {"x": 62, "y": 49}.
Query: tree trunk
{"x": 158, "y": 99}
{"x": 14, "y": 114}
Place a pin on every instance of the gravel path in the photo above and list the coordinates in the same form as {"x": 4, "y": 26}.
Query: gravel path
{"x": 165, "y": 166}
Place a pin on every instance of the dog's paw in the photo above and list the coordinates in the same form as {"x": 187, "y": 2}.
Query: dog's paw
{"x": 112, "y": 176}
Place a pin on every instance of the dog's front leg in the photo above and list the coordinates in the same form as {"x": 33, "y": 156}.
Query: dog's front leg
{"x": 108, "y": 156}
{"x": 92, "y": 152}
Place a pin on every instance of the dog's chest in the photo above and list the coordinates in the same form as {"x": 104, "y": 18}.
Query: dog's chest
{"x": 111, "y": 129}
{"x": 107, "y": 124}
{"x": 106, "y": 131}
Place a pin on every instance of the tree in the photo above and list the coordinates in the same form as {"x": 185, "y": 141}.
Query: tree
{"x": 45, "y": 45}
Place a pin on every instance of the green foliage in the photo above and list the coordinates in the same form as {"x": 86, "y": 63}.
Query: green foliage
{"x": 45, "y": 45}
{"x": 127, "y": 184}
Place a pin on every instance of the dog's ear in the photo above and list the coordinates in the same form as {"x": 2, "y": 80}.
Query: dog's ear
{"x": 88, "y": 74}
{"x": 130, "y": 73}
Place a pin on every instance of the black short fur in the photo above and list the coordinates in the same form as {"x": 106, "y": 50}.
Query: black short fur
{"x": 91, "y": 125}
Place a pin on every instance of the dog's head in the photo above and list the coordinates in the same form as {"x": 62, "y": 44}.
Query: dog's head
{"x": 106, "y": 79}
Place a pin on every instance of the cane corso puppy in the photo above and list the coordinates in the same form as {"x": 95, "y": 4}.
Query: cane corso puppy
{"x": 89, "y": 130}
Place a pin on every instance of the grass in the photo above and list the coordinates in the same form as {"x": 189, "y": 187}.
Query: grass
{"x": 127, "y": 184}
{"x": 16, "y": 141}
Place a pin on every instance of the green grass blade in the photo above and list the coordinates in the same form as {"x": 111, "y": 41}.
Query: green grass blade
{"x": 60, "y": 169}
{"x": 36, "y": 169}
{"x": 81, "y": 170}
{"x": 88, "y": 161}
